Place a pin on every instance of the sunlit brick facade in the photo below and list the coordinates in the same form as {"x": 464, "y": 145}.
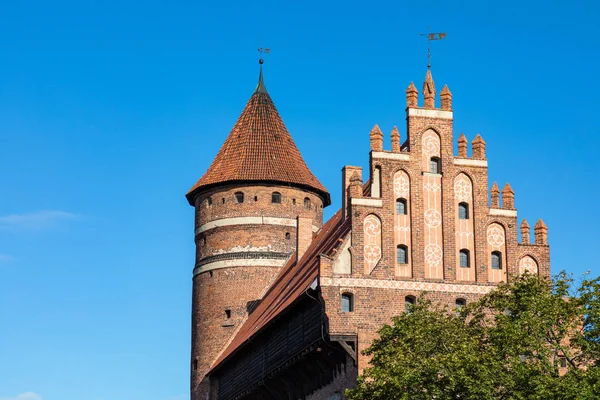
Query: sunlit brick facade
{"x": 421, "y": 219}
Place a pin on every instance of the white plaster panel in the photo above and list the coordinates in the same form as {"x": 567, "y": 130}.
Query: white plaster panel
{"x": 503, "y": 213}
{"x": 240, "y": 263}
{"x": 249, "y": 221}
{"x": 406, "y": 285}
{"x": 420, "y": 112}
{"x": 392, "y": 156}
{"x": 470, "y": 163}
{"x": 367, "y": 202}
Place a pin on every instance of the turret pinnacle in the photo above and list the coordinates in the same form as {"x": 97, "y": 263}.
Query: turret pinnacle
{"x": 429, "y": 90}
{"x": 376, "y": 137}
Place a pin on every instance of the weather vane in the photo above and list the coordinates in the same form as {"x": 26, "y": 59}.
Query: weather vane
{"x": 263, "y": 50}
{"x": 430, "y": 37}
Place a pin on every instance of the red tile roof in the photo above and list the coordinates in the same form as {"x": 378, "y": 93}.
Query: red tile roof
{"x": 259, "y": 149}
{"x": 293, "y": 281}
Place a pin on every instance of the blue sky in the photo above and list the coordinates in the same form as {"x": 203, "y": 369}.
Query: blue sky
{"x": 110, "y": 111}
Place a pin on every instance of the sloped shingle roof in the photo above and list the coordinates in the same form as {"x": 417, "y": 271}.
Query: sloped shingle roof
{"x": 260, "y": 149}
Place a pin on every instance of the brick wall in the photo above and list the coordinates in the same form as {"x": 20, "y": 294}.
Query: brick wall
{"x": 227, "y": 231}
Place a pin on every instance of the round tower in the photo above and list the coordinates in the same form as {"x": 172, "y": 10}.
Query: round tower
{"x": 257, "y": 204}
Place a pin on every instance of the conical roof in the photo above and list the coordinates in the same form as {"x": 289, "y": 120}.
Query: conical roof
{"x": 259, "y": 149}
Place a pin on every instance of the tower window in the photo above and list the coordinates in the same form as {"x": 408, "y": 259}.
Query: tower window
{"x": 347, "y": 302}
{"x": 401, "y": 207}
{"x": 463, "y": 211}
{"x": 223, "y": 200}
{"x": 402, "y": 254}
{"x": 294, "y": 201}
{"x": 276, "y": 198}
{"x": 434, "y": 165}
{"x": 460, "y": 303}
{"x": 209, "y": 201}
{"x": 288, "y": 235}
{"x": 239, "y": 197}
{"x": 409, "y": 301}
{"x": 307, "y": 203}
{"x": 562, "y": 361}
{"x": 496, "y": 260}
{"x": 465, "y": 260}
{"x": 228, "y": 314}
{"x": 255, "y": 198}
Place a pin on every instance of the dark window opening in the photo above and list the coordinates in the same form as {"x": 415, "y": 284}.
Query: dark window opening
{"x": 276, "y": 198}
{"x": 239, "y": 197}
{"x": 288, "y": 236}
{"x": 465, "y": 260}
{"x": 460, "y": 303}
{"x": 228, "y": 314}
{"x": 209, "y": 201}
{"x": 294, "y": 201}
{"x": 463, "y": 211}
{"x": 401, "y": 207}
{"x": 434, "y": 165}
{"x": 307, "y": 203}
{"x": 195, "y": 365}
{"x": 562, "y": 361}
{"x": 402, "y": 254}
{"x": 496, "y": 260}
{"x": 255, "y": 198}
{"x": 347, "y": 302}
{"x": 210, "y": 273}
{"x": 223, "y": 200}
{"x": 409, "y": 302}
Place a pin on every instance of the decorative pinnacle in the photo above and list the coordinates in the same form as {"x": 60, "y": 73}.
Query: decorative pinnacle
{"x": 540, "y": 225}
{"x": 395, "y": 132}
{"x": 495, "y": 188}
{"x": 462, "y": 138}
{"x": 412, "y": 88}
{"x": 524, "y": 224}
{"x": 478, "y": 139}
{"x": 507, "y": 189}
{"x": 376, "y": 132}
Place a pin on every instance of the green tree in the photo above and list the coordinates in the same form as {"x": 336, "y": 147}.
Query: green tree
{"x": 508, "y": 345}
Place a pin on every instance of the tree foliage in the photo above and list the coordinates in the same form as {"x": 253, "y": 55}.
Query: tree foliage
{"x": 508, "y": 345}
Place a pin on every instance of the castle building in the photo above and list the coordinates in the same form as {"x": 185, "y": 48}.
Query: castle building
{"x": 283, "y": 305}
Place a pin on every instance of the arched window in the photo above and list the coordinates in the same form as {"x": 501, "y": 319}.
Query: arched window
{"x": 209, "y": 201}
{"x": 239, "y": 197}
{"x": 409, "y": 301}
{"x": 288, "y": 236}
{"x": 465, "y": 260}
{"x": 401, "y": 207}
{"x": 460, "y": 303}
{"x": 276, "y": 198}
{"x": 347, "y": 302}
{"x": 496, "y": 260}
{"x": 307, "y": 203}
{"x": 463, "y": 211}
{"x": 434, "y": 165}
{"x": 402, "y": 254}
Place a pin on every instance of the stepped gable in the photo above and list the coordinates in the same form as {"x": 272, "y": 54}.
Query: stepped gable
{"x": 259, "y": 149}
{"x": 293, "y": 281}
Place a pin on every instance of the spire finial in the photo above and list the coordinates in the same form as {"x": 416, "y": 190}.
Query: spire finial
{"x": 260, "y": 88}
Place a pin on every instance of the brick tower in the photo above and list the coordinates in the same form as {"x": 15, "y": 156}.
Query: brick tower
{"x": 256, "y": 206}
